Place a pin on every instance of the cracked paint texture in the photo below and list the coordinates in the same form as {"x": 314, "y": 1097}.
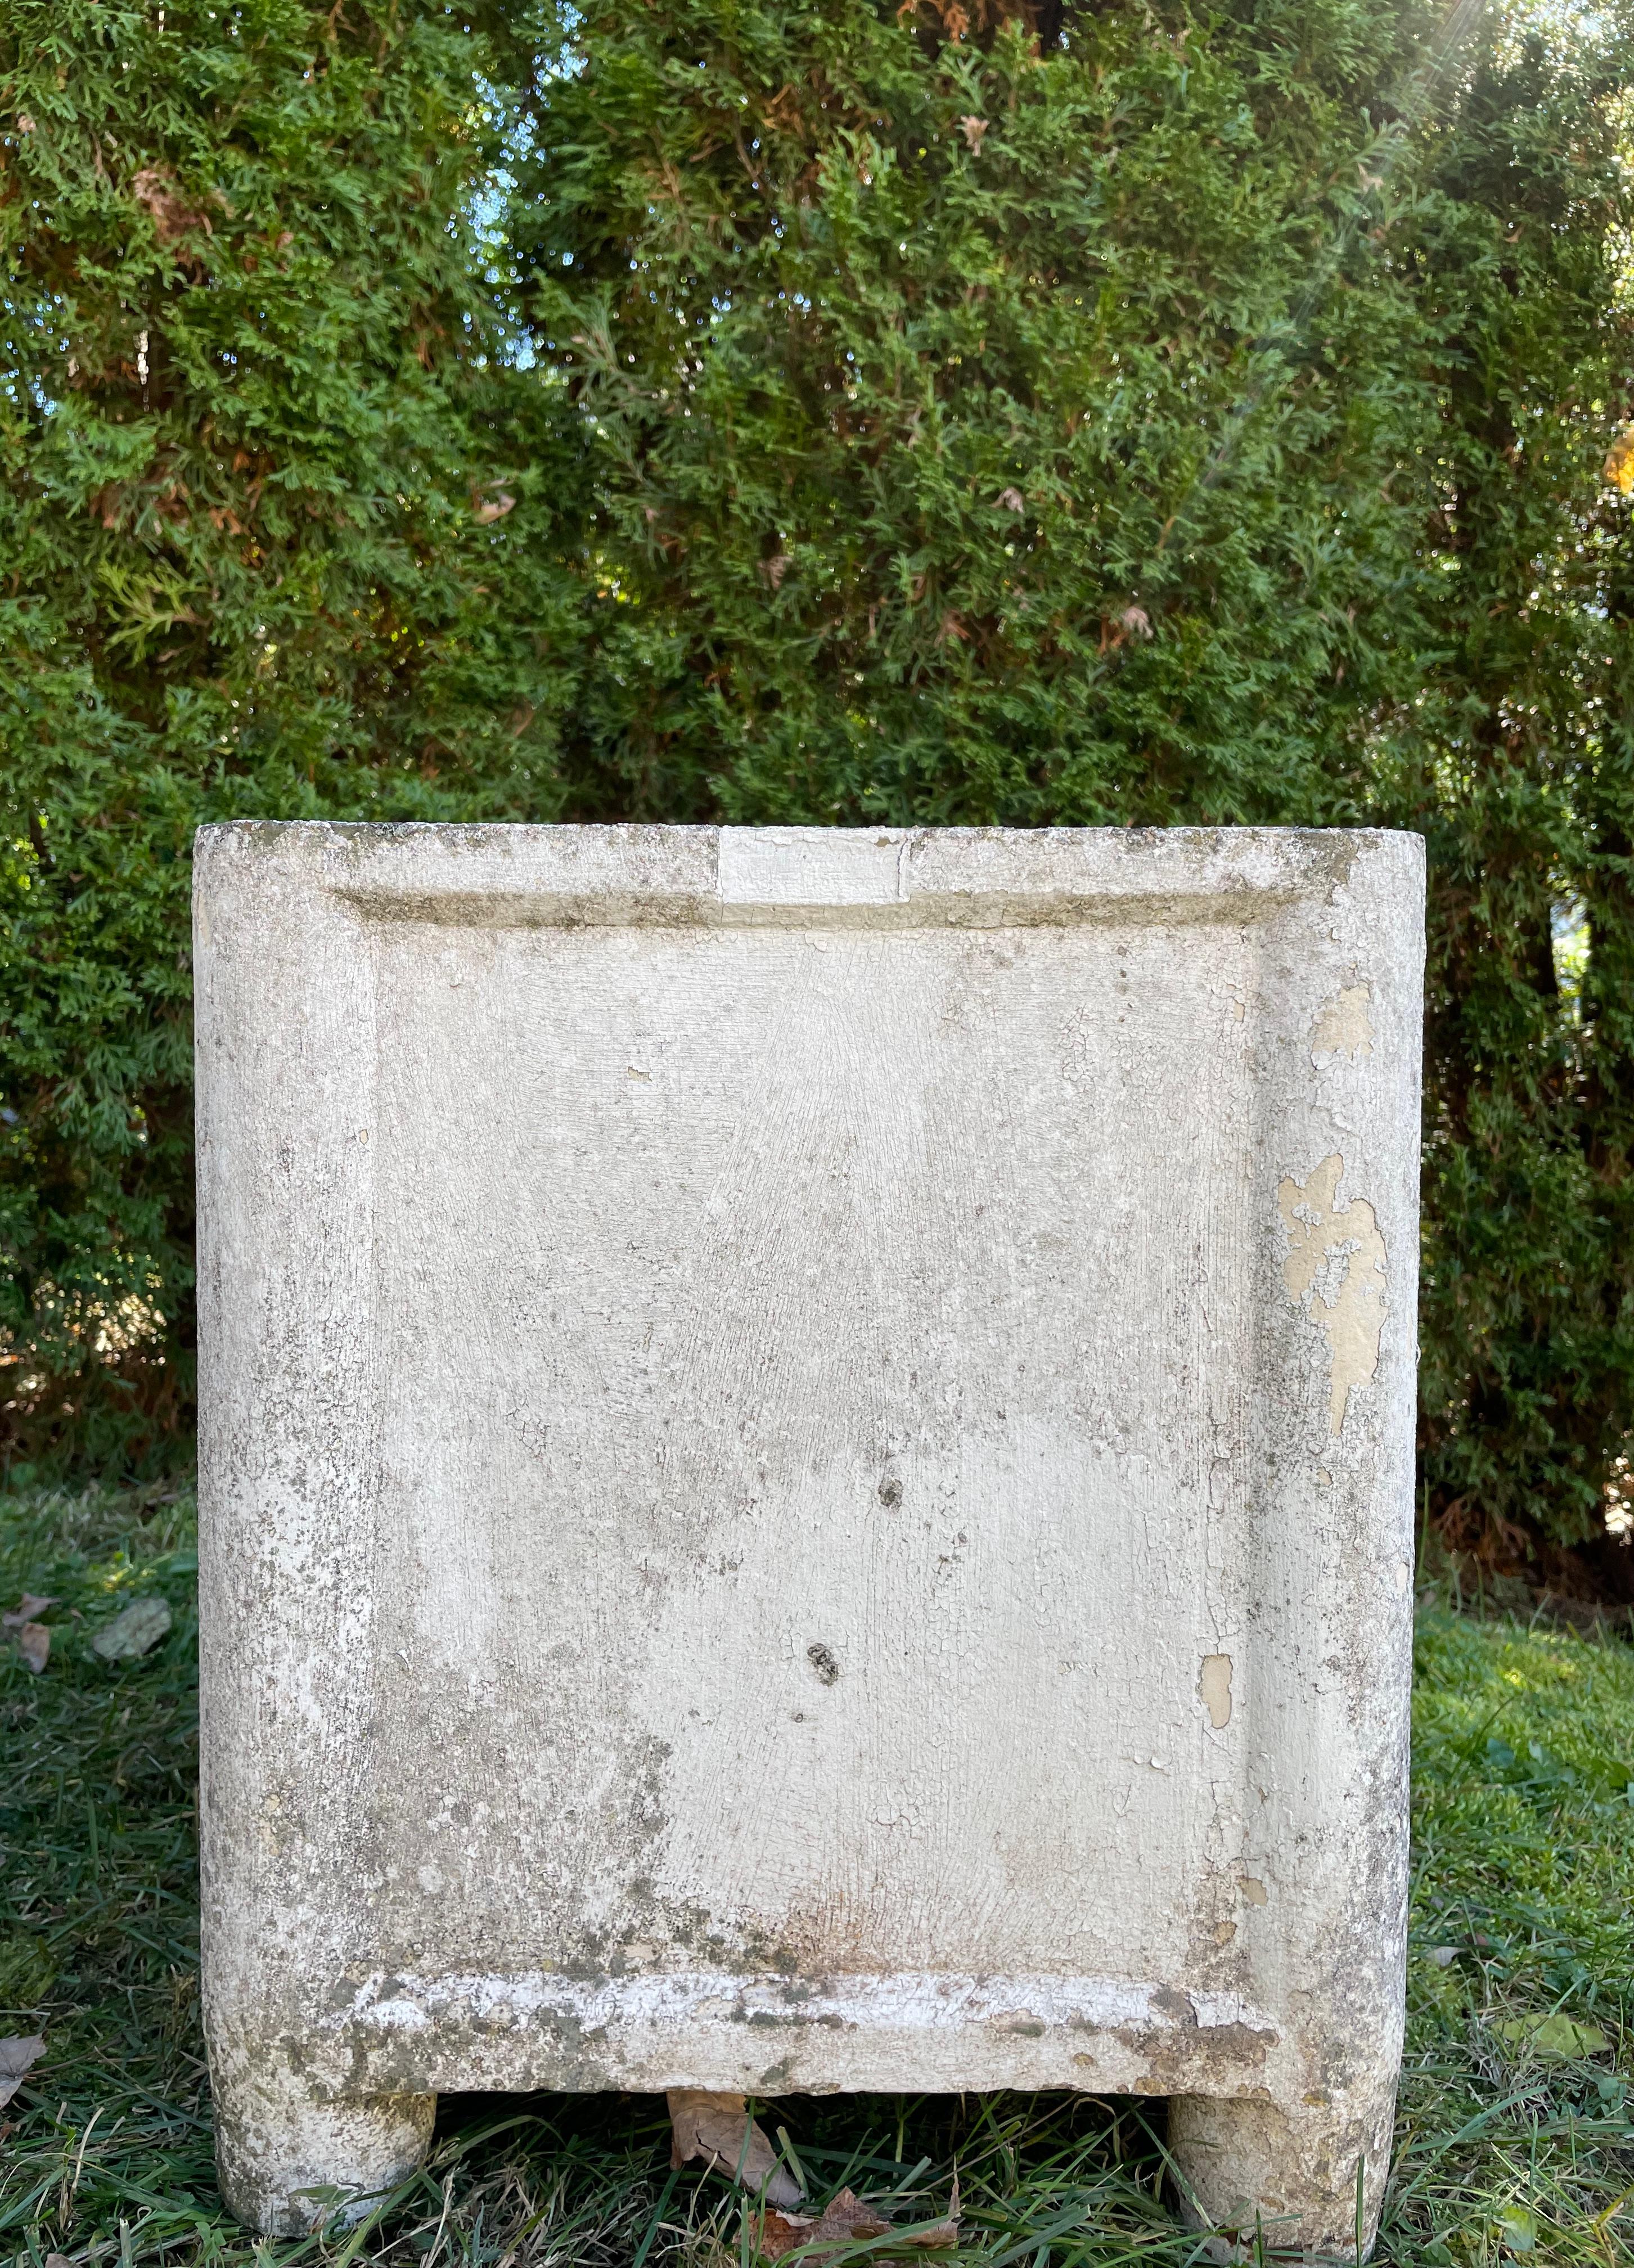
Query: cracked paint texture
{"x": 1335, "y": 1270}
{"x": 873, "y": 1389}
{"x": 1344, "y": 1027}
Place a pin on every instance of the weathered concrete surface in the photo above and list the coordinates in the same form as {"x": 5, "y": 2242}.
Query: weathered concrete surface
{"x": 807, "y": 1472}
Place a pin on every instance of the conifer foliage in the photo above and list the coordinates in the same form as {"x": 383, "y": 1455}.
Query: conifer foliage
{"x": 958, "y": 412}
{"x": 257, "y": 558}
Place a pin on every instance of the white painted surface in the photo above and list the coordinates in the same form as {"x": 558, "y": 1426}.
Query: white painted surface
{"x": 807, "y": 1459}
{"x": 811, "y": 865}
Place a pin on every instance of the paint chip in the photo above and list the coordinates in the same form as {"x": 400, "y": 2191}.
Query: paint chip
{"x": 1253, "y": 1892}
{"x": 1214, "y": 1689}
{"x": 1336, "y": 1271}
{"x": 1344, "y": 1027}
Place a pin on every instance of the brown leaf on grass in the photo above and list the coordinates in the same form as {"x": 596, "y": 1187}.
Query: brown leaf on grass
{"x": 719, "y": 2129}
{"x": 16, "y": 2056}
{"x": 32, "y": 1639}
{"x": 34, "y": 1642}
{"x": 931, "y": 2235}
{"x": 848, "y": 2221}
{"x": 26, "y": 1609}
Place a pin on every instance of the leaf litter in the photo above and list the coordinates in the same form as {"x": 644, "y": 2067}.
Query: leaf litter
{"x": 16, "y": 2058}
{"x": 134, "y": 1630}
{"x": 1560, "y": 2038}
{"x": 719, "y": 2129}
{"x": 848, "y": 2220}
{"x": 32, "y": 1638}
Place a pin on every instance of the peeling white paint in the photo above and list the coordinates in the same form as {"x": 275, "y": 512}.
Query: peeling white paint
{"x": 909, "y": 2000}
{"x": 1345, "y": 1028}
{"x": 811, "y": 865}
{"x": 1336, "y": 1271}
{"x": 1214, "y": 1689}
{"x": 859, "y": 1243}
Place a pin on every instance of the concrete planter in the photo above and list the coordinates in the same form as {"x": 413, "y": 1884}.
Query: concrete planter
{"x": 808, "y": 1479}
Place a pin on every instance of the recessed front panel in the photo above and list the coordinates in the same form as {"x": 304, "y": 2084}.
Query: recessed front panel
{"x": 804, "y": 1344}
{"x": 807, "y": 1457}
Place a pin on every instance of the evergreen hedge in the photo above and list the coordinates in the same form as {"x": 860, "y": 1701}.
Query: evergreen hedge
{"x": 249, "y": 565}
{"x": 954, "y": 413}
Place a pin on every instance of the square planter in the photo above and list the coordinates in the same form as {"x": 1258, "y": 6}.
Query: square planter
{"x": 806, "y": 1475}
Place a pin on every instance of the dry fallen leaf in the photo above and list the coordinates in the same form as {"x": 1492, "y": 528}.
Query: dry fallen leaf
{"x": 136, "y": 1630}
{"x": 32, "y": 1639}
{"x": 931, "y": 2235}
{"x": 34, "y": 1642}
{"x": 1559, "y": 2037}
{"x": 28, "y": 1609}
{"x": 848, "y": 2221}
{"x": 973, "y": 129}
{"x": 492, "y": 503}
{"x": 15, "y": 2058}
{"x": 719, "y": 2129}
{"x": 1012, "y": 500}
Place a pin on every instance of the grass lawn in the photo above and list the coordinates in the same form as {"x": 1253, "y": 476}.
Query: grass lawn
{"x": 1515, "y": 2139}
